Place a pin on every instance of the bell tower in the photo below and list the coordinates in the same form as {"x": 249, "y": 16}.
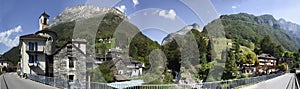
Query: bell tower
{"x": 44, "y": 21}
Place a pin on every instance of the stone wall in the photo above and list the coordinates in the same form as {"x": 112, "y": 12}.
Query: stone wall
{"x": 61, "y": 65}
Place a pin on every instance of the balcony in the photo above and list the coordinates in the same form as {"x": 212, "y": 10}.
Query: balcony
{"x": 30, "y": 51}
{"x": 33, "y": 51}
{"x": 34, "y": 64}
{"x": 33, "y": 60}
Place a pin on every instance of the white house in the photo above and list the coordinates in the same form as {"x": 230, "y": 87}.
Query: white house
{"x": 34, "y": 49}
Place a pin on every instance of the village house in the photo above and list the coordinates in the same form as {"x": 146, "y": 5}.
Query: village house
{"x": 127, "y": 69}
{"x": 108, "y": 56}
{"x": 5, "y": 64}
{"x": 70, "y": 62}
{"x": 267, "y": 64}
{"x": 34, "y": 49}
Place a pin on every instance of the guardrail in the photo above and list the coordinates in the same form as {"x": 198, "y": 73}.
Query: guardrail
{"x": 227, "y": 84}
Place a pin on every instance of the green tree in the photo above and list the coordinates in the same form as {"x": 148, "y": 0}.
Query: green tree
{"x": 278, "y": 51}
{"x": 267, "y": 45}
{"x": 282, "y": 67}
{"x": 103, "y": 73}
{"x": 230, "y": 70}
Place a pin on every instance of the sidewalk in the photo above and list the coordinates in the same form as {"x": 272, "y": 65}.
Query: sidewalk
{"x": 280, "y": 82}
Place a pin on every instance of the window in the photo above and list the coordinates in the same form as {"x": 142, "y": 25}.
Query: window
{"x": 45, "y": 21}
{"x": 71, "y": 62}
{"x": 33, "y": 59}
{"x": 33, "y": 46}
{"x": 30, "y": 46}
{"x": 50, "y": 39}
{"x": 78, "y": 45}
{"x": 69, "y": 50}
{"x": 71, "y": 77}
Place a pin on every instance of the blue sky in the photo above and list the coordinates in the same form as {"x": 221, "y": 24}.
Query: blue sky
{"x": 155, "y": 18}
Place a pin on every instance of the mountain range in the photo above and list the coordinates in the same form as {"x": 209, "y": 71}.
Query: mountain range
{"x": 254, "y": 28}
{"x": 243, "y": 25}
{"x": 250, "y": 28}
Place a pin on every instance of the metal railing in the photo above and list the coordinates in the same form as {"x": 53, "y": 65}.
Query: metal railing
{"x": 226, "y": 84}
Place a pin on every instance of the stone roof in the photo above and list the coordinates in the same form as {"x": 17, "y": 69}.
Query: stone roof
{"x": 46, "y": 30}
{"x": 65, "y": 45}
{"x": 100, "y": 56}
{"x": 32, "y": 36}
{"x": 121, "y": 78}
{"x": 44, "y": 14}
{"x": 265, "y": 56}
{"x": 129, "y": 61}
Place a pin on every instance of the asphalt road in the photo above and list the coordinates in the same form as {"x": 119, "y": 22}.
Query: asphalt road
{"x": 12, "y": 81}
{"x": 285, "y": 81}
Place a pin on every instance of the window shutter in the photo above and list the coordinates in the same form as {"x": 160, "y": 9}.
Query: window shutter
{"x": 36, "y": 46}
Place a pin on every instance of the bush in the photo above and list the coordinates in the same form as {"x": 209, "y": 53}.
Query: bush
{"x": 244, "y": 75}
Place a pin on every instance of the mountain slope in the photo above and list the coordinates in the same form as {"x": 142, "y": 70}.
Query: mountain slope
{"x": 180, "y": 33}
{"x": 13, "y": 55}
{"x": 254, "y": 28}
{"x": 83, "y": 12}
{"x": 291, "y": 28}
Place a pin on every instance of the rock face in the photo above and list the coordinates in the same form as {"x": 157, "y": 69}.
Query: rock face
{"x": 291, "y": 28}
{"x": 83, "y": 12}
{"x": 180, "y": 33}
{"x": 268, "y": 20}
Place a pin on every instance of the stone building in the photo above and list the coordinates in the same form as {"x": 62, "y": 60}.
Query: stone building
{"x": 127, "y": 69}
{"x": 70, "y": 62}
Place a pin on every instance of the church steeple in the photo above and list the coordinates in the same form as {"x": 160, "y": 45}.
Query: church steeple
{"x": 44, "y": 21}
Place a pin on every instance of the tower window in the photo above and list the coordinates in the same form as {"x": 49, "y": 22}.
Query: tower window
{"x": 45, "y": 21}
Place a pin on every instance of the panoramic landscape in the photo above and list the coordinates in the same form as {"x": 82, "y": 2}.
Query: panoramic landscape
{"x": 149, "y": 44}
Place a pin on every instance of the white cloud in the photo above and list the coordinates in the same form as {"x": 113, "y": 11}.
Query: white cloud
{"x": 233, "y": 7}
{"x": 122, "y": 8}
{"x": 171, "y": 14}
{"x": 5, "y": 37}
{"x": 135, "y": 2}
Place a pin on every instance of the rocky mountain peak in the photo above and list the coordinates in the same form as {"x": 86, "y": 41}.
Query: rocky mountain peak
{"x": 291, "y": 28}
{"x": 180, "y": 33}
{"x": 83, "y": 12}
{"x": 196, "y": 26}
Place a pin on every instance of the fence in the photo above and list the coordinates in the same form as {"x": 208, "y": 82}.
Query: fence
{"x": 227, "y": 84}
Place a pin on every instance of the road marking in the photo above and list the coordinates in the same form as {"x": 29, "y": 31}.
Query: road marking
{"x": 5, "y": 81}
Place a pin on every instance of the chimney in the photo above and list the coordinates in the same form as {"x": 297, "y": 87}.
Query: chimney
{"x": 81, "y": 44}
